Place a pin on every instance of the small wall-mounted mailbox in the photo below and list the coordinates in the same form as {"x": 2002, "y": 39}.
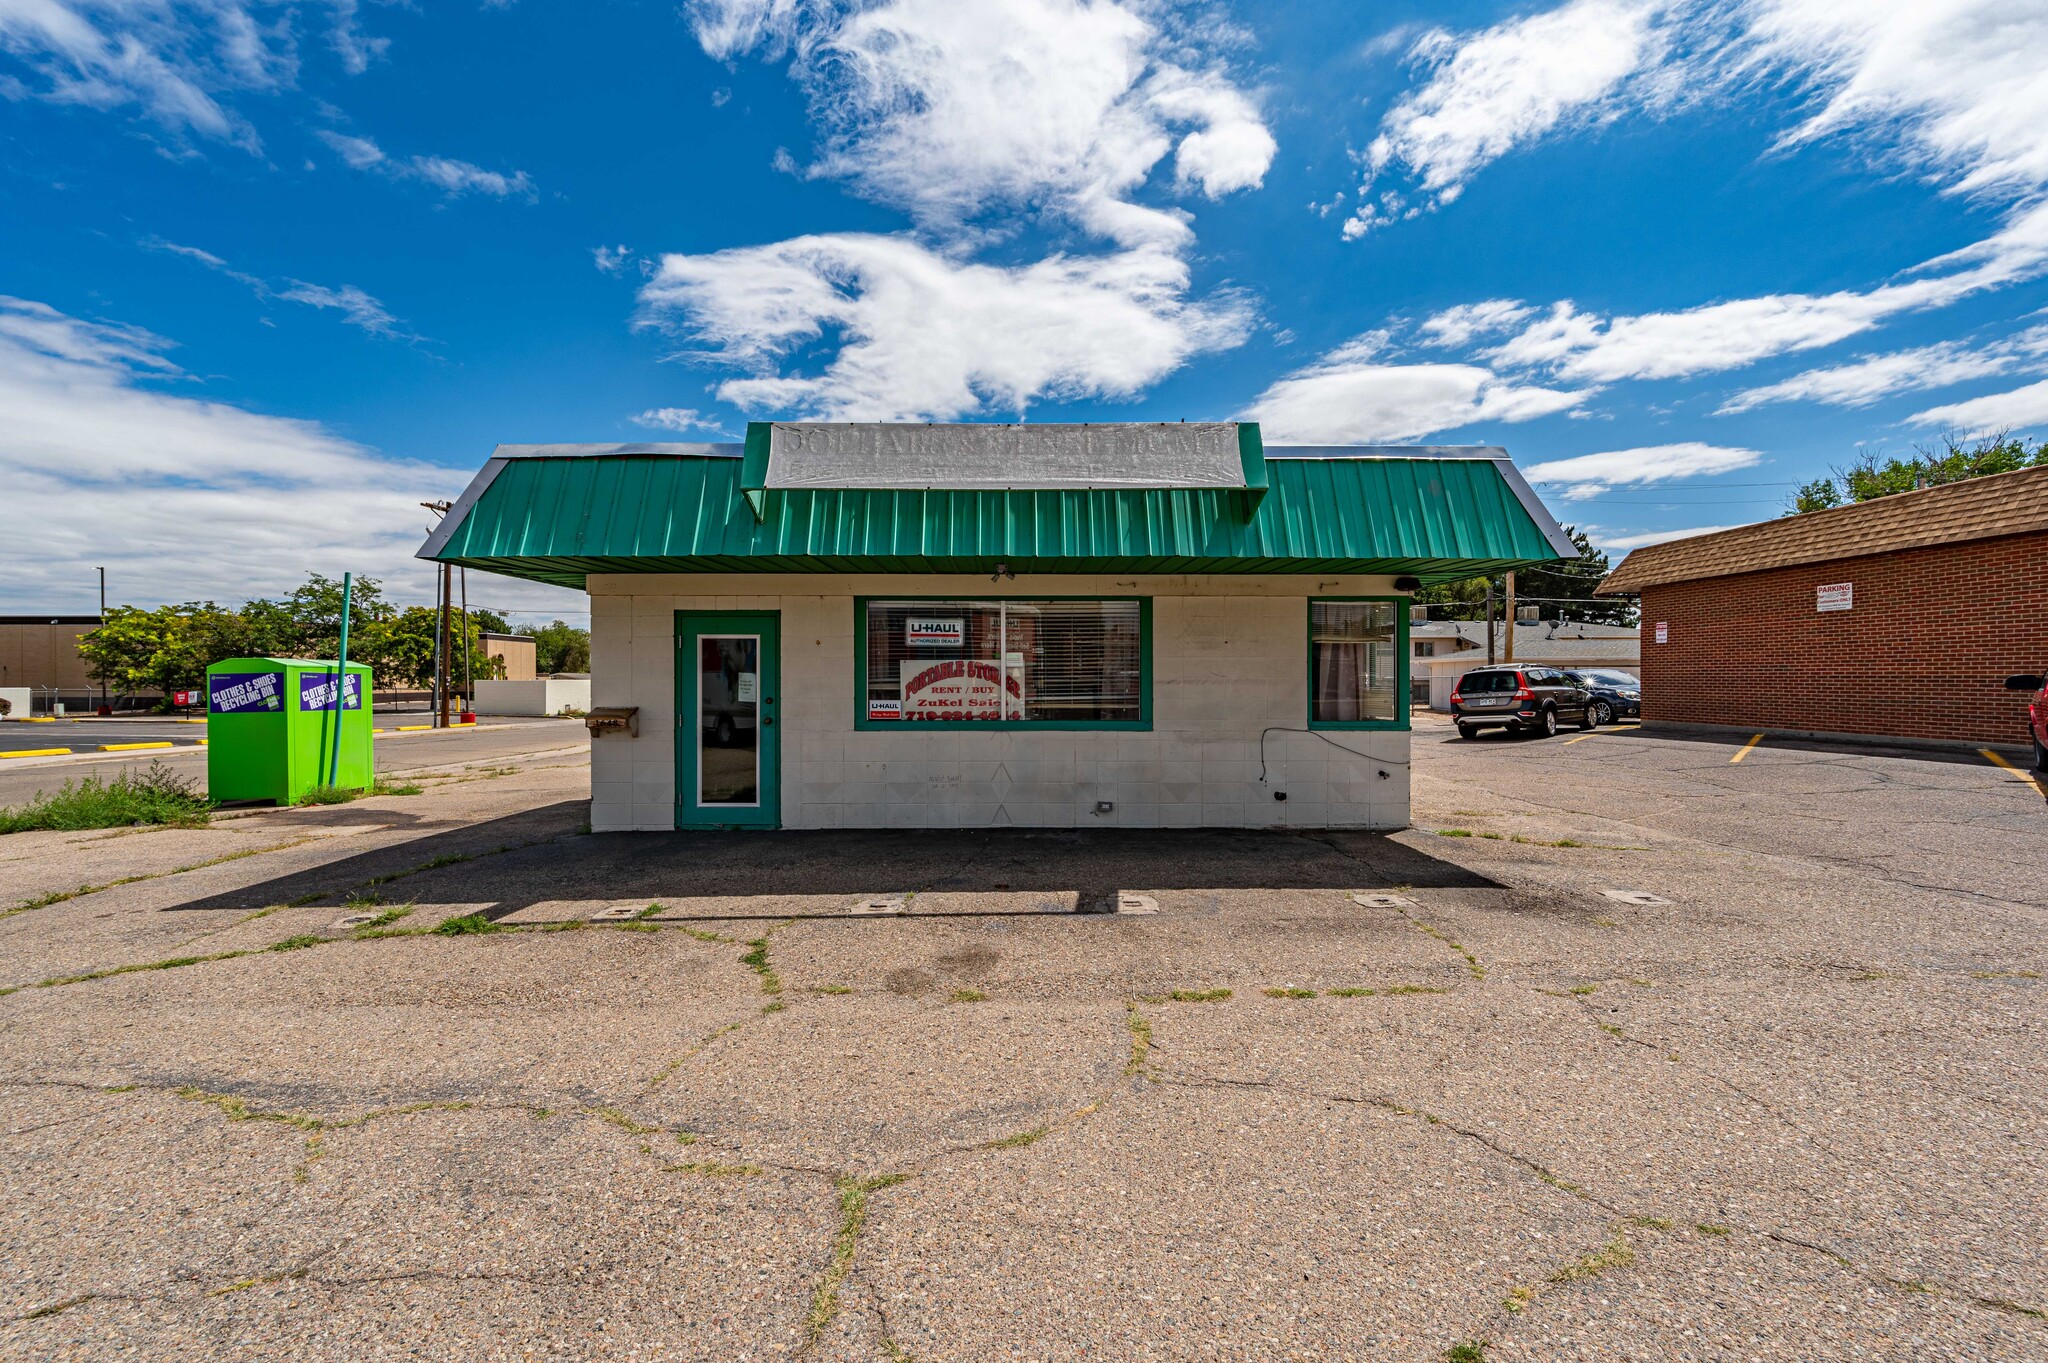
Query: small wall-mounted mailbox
{"x": 613, "y": 719}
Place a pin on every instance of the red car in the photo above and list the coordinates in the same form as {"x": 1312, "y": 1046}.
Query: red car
{"x": 2037, "y": 713}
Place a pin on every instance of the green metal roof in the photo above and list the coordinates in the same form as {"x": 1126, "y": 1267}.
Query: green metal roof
{"x": 555, "y": 517}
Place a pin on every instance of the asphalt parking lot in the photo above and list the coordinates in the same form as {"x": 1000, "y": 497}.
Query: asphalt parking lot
{"x": 1627, "y": 1050}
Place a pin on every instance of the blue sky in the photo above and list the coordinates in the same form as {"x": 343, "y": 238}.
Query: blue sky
{"x": 273, "y": 274}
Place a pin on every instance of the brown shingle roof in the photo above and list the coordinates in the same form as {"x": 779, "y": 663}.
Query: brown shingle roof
{"x": 1975, "y": 509}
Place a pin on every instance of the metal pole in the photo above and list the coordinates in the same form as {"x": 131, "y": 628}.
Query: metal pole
{"x": 468, "y": 683}
{"x": 1489, "y": 622}
{"x": 445, "y": 670}
{"x": 103, "y": 625}
{"x": 1509, "y": 643}
{"x": 348, "y": 589}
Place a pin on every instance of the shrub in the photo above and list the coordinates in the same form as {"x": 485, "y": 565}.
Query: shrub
{"x": 155, "y": 795}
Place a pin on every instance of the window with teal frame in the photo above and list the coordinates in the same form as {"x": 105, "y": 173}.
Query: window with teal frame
{"x": 1358, "y": 663}
{"x": 1003, "y": 663}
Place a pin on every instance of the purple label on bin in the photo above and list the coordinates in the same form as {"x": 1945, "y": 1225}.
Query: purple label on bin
{"x": 316, "y": 691}
{"x": 232, "y": 693}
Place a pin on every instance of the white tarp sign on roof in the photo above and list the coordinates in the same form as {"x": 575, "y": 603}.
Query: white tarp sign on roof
{"x": 986, "y": 456}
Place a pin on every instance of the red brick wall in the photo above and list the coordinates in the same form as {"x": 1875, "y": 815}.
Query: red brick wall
{"x": 1922, "y": 654}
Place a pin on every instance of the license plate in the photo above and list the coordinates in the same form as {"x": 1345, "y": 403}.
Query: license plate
{"x": 1487, "y": 700}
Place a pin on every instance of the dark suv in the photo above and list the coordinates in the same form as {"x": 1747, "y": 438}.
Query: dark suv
{"x": 1527, "y": 700}
{"x": 1616, "y": 694}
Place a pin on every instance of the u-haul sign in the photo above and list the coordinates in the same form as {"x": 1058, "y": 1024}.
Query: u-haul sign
{"x": 935, "y": 633}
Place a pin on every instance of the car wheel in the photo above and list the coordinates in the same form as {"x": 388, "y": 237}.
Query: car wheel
{"x": 1546, "y": 723}
{"x": 1467, "y": 731}
{"x": 722, "y": 733}
{"x": 1603, "y": 713}
{"x": 1586, "y": 720}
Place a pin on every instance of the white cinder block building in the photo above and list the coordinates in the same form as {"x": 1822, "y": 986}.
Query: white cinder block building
{"x": 913, "y": 626}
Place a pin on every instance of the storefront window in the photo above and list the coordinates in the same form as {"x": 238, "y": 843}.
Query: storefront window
{"x": 1054, "y": 662}
{"x": 1356, "y": 662}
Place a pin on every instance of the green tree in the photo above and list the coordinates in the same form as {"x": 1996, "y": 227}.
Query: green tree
{"x": 561, "y": 647}
{"x": 1870, "y": 477}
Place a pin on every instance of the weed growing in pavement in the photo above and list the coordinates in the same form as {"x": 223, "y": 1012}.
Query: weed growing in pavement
{"x": 300, "y": 942}
{"x": 623, "y": 1121}
{"x": 2005, "y": 975}
{"x": 757, "y": 961}
{"x": 155, "y": 795}
{"x": 466, "y": 925}
{"x": 1862, "y": 976}
{"x": 173, "y": 963}
{"x": 1350, "y": 993}
{"x": 969, "y": 996}
{"x": 1467, "y": 1351}
{"x": 330, "y": 795}
{"x": 366, "y": 900}
{"x": 1709, "y": 1228}
{"x": 1454, "y": 832}
{"x": 1141, "y": 1039}
{"x": 1582, "y": 989}
{"x": 1199, "y": 995}
{"x": 56, "y": 1307}
{"x": 383, "y": 920}
{"x": 1395, "y": 989}
{"x": 1288, "y": 992}
{"x": 1019, "y": 1140}
{"x": 267, "y": 1278}
{"x": 832, "y": 989}
{"x": 853, "y": 1218}
{"x": 1616, "y": 1253}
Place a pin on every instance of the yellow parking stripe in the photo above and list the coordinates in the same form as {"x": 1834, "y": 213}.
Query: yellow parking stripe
{"x": 132, "y": 747}
{"x": 39, "y": 752}
{"x": 1743, "y": 751}
{"x": 1581, "y": 738}
{"x": 1994, "y": 757}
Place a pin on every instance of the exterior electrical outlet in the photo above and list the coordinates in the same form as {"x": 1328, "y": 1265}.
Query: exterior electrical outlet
{"x": 270, "y": 728}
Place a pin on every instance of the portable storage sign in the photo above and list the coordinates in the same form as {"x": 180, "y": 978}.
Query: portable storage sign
{"x": 935, "y": 632}
{"x": 233, "y": 693}
{"x": 957, "y": 689}
{"x": 316, "y": 691}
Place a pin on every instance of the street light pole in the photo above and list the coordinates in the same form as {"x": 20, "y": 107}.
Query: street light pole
{"x": 103, "y": 624}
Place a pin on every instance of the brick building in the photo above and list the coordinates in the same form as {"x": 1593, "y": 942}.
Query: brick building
{"x": 1898, "y": 617}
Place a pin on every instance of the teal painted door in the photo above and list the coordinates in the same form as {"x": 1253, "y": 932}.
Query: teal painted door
{"x": 728, "y": 741}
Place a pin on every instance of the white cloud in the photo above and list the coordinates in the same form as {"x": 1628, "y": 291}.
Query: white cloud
{"x": 1456, "y": 327}
{"x": 452, "y": 177}
{"x": 679, "y": 419}
{"x": 179, "y": 496}
{"x": 2022, "y": 408}
{"x": 611, "y": 259}
{"x": 911, "y": 333}
{"x": 951, "y": 110}
{"x": 1649, "y": 537}
{"x": 177, "y": 62}
{"x": 1721, "y": 336}
{"x": 1950, "y": 89}
{"x": 1869, "y": 377}
{"x": 1350, "y": 396}
{"x": 357, "y": 308}
{"x": 1590, "y": 475}
{"x": 1508, "y": 85}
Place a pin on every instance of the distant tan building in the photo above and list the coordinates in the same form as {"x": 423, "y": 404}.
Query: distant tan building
{"x": 517, "y": 651}
{"x": 1446, "y": 650}
{"x": 39, "y": 654}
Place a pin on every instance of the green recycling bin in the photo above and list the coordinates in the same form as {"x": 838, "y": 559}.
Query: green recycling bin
{"x": 270, "y": 728}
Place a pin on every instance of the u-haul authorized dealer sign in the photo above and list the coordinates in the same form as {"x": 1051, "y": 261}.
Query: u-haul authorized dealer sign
{"x": 935, "y": 633}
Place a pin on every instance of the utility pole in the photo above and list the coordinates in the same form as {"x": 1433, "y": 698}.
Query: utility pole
{"x": 1509, "y": 644}
{"x": 443, "y": 664}
{"x": 441, "y": 634}
{"x": 1489, "y": 622}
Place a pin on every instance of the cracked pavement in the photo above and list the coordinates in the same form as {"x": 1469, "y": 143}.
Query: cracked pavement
{"x": 254, "y": 1104}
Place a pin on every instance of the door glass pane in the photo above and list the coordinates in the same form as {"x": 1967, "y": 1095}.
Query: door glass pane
{"x": 728, "y": 719}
